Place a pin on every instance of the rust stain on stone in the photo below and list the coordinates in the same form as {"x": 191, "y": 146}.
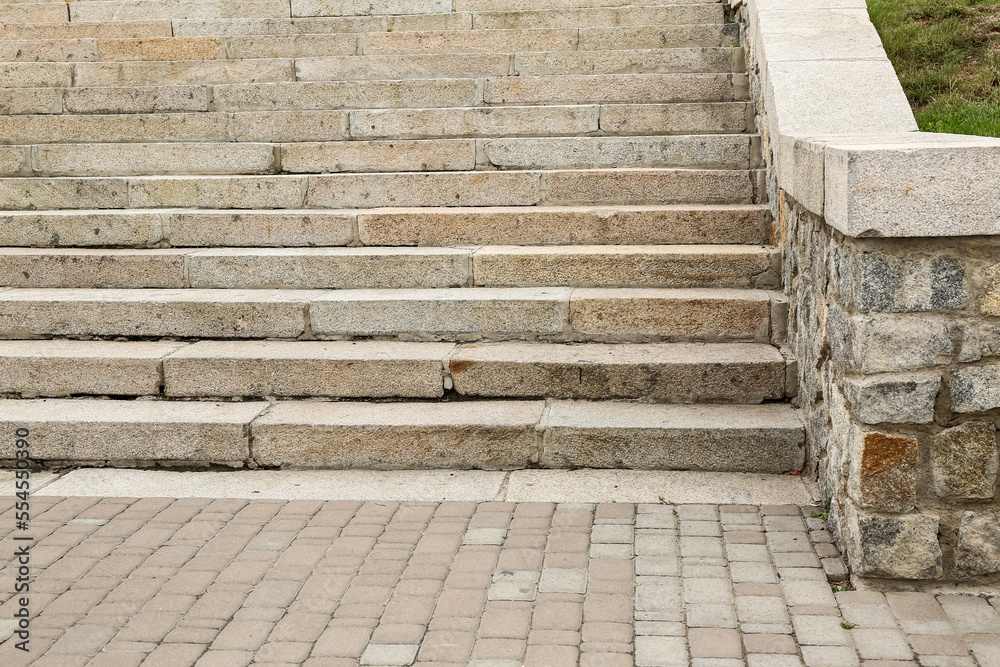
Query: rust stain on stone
{"x": 460, "y": 365}
{"x": 883, "y": 451}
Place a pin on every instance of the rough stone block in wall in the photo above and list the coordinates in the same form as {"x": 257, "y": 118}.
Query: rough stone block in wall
{"x": 978, "y": 550}
{"x": 894, "y": 399}
{"x": 908, "y": 282}
{"x": 975, "y": 388}
{"x": 964, "y": 461}
{"x": 991, "y": 299}
{"x": 883, "y": 471}
{"x": 887, "y": 343}
{"x": 899, "y": 547}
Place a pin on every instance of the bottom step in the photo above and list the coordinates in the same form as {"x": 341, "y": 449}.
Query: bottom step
{"x": 415, "y": 435}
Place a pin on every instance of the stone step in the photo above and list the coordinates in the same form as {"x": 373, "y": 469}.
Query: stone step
{"x": 666, "y": 372}
{"x": 165, "y": 10}
{"x": 599, "y": 17}
{"x": 39, "y": 29}
{"x": 716, "y": 151}
{"x": 456, "y": 314}
{"x": 419, "y": 435}
{"x": 390, "y": 268}
{"x": 143, "y": 433}
{"x": 475, "y": 188}
{"x": 533, "y": 225}
{"x": 498, "y": 434}
{"x": 511, "y": 5}
{"x": 200, "y": 60}
{"x": 290, "y": 126}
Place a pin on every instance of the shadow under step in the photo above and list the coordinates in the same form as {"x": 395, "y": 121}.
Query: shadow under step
{"x": 486, "y": 434}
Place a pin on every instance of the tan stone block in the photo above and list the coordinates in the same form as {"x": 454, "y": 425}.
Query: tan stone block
{"x": 56, "y": 129}
{"x": 607, "y": 88}
{"x": 475, "y": 122}
{"x": 80, "y": 228}
{"x": 138, "y": 10}
{"x": 598, "y": 17}
{"x": 56, "y": 50}
{"x": 695, "y": 118}
{"x": 291, "y": 46}
{"x": 764, "y": 438}
{"x": 67, "y": 367}
{"x": 467, "y": 312}
{"x": 624, "y": 266}
{"x": 244, "y": 192}
{"x": 882, "y": 473}
{"x": 424, "y": 189}
{"x": 86, "y": 430}
{"x": 59, "y": 193}
{"x": 290, "y": 125}
{"x": 379, "y": 156}
{"x": 719, "y": 151}
{"x": 183, "y": 72}
{"x": 362, "y": 369}
{"x": 137, "y": 99}
{"x": 662, "y": 61}
{"x": 185, "y": 312}
{"x": 367, "y": 7}
{"x": 543, "y": 225}
{"x": 31, "y": 267}
{"x": 711, "y": 314}
{"x": 14, "y": 161}
{"x": 334, "y": 268}
{"x": 478, "y": 41}
{"x": 411, "y": 66}
{"x": 648, "y": 186}
{"x": 36, "y": 75}
{"x": 659, "y": 36}
{"x": 30, "y": 100}
{"x": 34, "y": 12}
{"x": 260, "y": 228}
{"x": 160, "y": 48}
{"x": 308, "y": 95}
{"x": 279, "y": 26}
{"x": 964, "y": 460}
{"x": 680, "y": 373}
{"x": 145, "y": 159}
{"x": 93, "y": 29}
{"x": 398, "y": 435}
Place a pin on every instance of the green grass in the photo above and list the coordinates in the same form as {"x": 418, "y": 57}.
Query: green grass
{"x": 947, "y": 56}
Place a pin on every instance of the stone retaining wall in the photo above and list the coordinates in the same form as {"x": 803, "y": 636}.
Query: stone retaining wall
{"x": 891, "y": 243}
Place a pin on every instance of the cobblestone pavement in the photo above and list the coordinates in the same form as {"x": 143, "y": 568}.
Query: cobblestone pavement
{"x": 121, "y": 582}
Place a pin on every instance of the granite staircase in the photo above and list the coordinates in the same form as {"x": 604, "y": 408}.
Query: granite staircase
{"x": 387, "y": 234}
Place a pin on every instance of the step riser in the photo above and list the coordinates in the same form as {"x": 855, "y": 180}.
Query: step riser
{"x": 401, "y": 124}
{"x": 656, "y": 373}
{"x": 706, "y": 152}
{"x": 388, "y": 228}
{"x": 526, "y": 188}
{"x": 38, "y": 29}
{"x": 448, "y": 315}
{"x": 509, "y": 434}
{"x": 377, "y": 269}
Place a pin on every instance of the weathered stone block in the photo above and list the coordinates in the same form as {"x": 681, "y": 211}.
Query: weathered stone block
{"x": 975, "y": 388}
{"x": 611, "y": 88}
{"x": 893, "y": 399}
{"x": 884, "y": 283}
{"x": 893, "y": 547}
{"x": 964, "y": 461}
{"x": 991, "y": 300}
{"x": 978, "y": 550}
{"x": 882, "y": 471}
{"x": 887, "y": 343}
